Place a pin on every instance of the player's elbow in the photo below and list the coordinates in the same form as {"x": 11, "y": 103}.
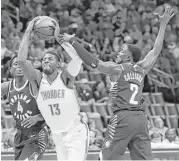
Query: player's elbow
{"x": 74, "y": 67}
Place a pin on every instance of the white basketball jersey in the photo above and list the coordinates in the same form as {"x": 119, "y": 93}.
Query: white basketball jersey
{"x": 58, "y": 104}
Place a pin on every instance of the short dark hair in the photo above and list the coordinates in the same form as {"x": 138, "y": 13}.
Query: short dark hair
{"x": 136, "y": 52}
{"x": 54, "y": 52}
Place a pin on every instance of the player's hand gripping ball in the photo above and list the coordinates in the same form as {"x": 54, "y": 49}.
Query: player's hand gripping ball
{"x": 46, "y": 28}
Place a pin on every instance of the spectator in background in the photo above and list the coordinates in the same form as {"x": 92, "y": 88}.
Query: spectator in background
{"x": 26, "y": 12}
{"x": 159, "y": 127}
{"x": 156, "y": 138}
{"x": 5, "y": 57}
{"x": 76, "y": 16}
{"x": 92, "y": 127}
{"x": 64, "y": 19}
{"x": 12, "y": 132}
{"x": 171, "y": 136}
{"x": 135, "y": 33}
{"x": 174, "y": 50}
{"x": 16, "y": 44}
{"x": 85, "y": 91}
{"x": 92, "y": 141}
{"x": 5, "y": 140}
{"x": 99, "y": 92}
{"x": 95, "y": 135}
{"x": 4, "y": 16}
{"x": 19, "y": 27}
{"x": 8, "y": 136}
{"x": 40, "y": 49}
{"x": 4, "y": 51}
{"x": 109, "y": 6}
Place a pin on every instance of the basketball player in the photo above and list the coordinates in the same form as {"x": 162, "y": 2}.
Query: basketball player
{"x": 31, "y": 138}
{"x": 57, "y": 99}
{"x": 128, "y": 125}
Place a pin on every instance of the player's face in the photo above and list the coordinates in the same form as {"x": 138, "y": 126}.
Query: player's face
{"x": 49, "y": 63}
{"x": 124, "y": 55}
{"x": 16, "y": 71}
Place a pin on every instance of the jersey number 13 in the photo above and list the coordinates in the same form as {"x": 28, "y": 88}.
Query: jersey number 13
{"x": 55, "y": 110}
{"x": 135, "y": 89}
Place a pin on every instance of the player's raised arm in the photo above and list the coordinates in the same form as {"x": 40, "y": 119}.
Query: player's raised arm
{"x": 103, "y": 67}
{"x": 148, "y": 62}
{"x": 74, "y": 65}
{"x": 29, "y": 71}
{"x": 109, "y": 68}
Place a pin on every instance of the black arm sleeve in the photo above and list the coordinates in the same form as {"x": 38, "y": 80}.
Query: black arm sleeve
{"x": 86, "y": 57}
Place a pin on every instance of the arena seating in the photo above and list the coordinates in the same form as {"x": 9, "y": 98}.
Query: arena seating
{"x": 83, "y": 74}
{"x": 95, "y": 76}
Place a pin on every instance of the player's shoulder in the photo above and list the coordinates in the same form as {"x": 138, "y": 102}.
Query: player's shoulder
{"x": 131, "y": 66}
{"x": 137, "y": 67}
{"x": 125, "y": 66}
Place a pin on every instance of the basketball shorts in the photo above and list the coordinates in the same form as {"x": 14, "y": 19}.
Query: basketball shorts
{"x": 127, "y": 129}
{"x": 31, "y": 146}
{"x": 72, "y": 144}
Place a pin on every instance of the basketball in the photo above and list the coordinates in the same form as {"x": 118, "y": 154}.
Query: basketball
{"x": 45, "y": 27}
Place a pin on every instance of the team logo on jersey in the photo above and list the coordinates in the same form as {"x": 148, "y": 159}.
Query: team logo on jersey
{"x": 19, "y": 99}
{"x": 33, "y": 157}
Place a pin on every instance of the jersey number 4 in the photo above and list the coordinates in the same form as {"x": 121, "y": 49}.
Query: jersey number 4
{"x": 135, "y": 89}
{"x": 55, "y": 110}
{"x": 19, "y": 107}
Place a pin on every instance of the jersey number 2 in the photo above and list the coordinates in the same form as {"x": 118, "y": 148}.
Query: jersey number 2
{"x": 135, "y": 89}
{"x": 55, "y": 110}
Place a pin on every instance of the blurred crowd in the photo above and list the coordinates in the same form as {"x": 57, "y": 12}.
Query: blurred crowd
{"x": 159, "y": 133}
{"x": 103, "y": 26}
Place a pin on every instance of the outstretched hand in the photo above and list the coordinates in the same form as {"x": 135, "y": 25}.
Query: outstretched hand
{"x": 30, "y": 121}
{"x": 64, "y": 38}
{"x": 168, "y": 14}
{"x": 31, "y": 23}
